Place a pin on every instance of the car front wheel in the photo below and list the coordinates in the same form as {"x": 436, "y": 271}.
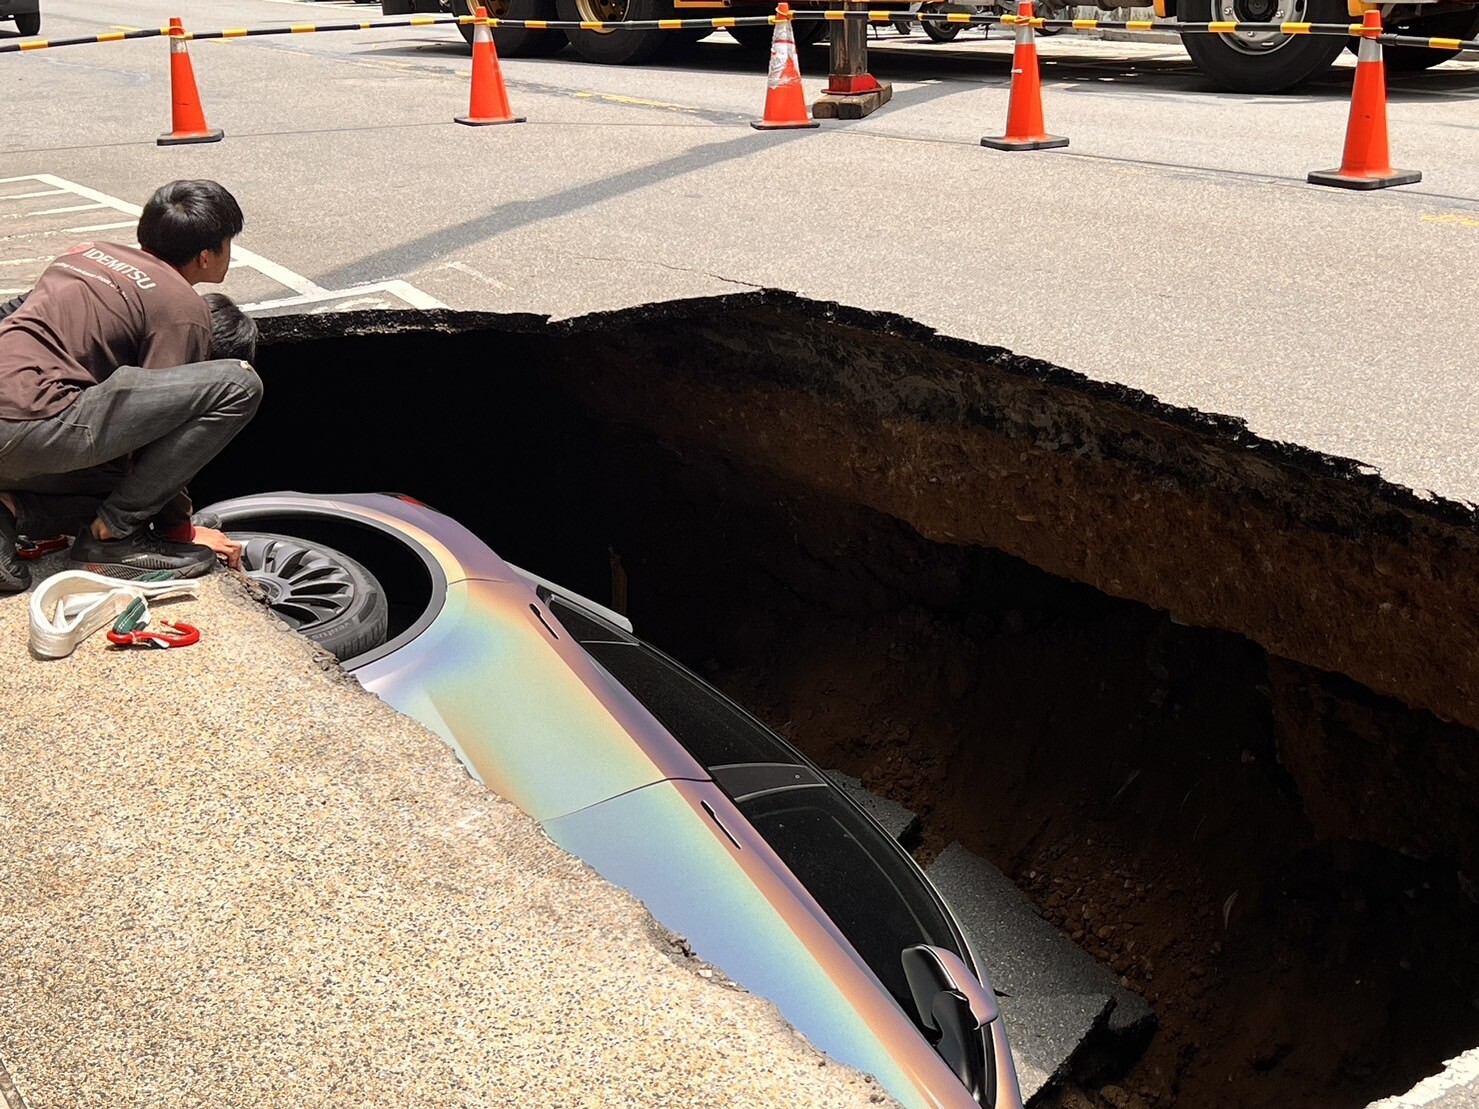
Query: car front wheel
{"x": 320, "y": 592}
{"x": 28, "y": 24}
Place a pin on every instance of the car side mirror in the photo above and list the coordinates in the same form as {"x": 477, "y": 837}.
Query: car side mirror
{"x": 932, "y": 969}
{"x": 951, "y": 1002}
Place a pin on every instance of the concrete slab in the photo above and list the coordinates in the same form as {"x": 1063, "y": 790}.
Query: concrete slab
{"x": 1049, "y": 982}
{"x": 1046, "y": 1031}
{"x": 898, "y": 821}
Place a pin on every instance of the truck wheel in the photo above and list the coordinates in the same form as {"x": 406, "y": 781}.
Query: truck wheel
{"x": 807, "y": 32}
{"x": 28, "y": 24}
{"x": 1262, "y": 61}
{"x": 1446, "y": 25}
{"x": 511, "y": 42}
{"x": 616, "y": 47}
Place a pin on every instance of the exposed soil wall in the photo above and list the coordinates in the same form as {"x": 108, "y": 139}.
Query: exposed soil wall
{"x": 1209, "y": 700}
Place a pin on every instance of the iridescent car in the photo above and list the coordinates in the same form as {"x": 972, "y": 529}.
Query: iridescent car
{"x": 728, "y": 834}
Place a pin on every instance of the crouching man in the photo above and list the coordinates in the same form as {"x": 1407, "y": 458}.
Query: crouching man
{"x": 106, "y": 360}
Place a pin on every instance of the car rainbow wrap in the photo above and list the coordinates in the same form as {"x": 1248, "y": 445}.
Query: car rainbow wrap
{"x": 531, "y": 714}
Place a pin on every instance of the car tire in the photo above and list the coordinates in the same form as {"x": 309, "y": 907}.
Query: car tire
{"x": 322, "y": 593}
{"x": 1239, "y": 64}
{"x": 28, "y": 24}
{"x": 1412, "y": 59}
{"x": 515, "y": 42}
{"x": 616, "y": 47}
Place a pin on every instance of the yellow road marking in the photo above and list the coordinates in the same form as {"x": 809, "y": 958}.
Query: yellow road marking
{"x": 1451, "y": 218}
{"x": 636, "y": 101}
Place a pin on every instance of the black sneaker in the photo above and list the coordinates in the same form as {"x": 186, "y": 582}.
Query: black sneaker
{"x": 15, "y": 575}
{"x": 139, "y": 555}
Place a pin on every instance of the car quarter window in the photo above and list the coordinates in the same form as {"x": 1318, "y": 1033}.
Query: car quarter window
{"x": 860, "y": 879}
{"x": 583, "y": 626}
{"x": 715, "y": 730}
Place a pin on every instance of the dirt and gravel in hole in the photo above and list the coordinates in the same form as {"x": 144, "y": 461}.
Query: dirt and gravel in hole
{"x": 1124, "y": 770}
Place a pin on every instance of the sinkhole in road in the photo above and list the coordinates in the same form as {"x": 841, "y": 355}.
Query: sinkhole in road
{"x": 1208, "y": 700}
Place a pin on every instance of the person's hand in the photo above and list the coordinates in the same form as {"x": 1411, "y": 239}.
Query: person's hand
{"x": 221, "y": 543}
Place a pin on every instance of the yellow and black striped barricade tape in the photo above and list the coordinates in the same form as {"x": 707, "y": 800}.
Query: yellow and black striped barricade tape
{"x": 720, "y": 22}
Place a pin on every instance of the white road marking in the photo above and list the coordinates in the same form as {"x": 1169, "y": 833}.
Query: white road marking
{"x": 402, "y": 289}
{"x": 463, "y": 267}
{"x": 305, "y": 291}
{"x": 239, "y": 255}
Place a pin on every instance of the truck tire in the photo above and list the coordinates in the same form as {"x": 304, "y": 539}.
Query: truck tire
{"x": 617, "y": 47}
{"x": 807, "y": 32}
{"x": 512, "y": 42}
{"x": 1446, "y": 25}
{"x": 1262, "y": 61}
{"x": 28, "y": 24}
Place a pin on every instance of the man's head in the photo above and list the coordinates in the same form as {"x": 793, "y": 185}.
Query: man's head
{"x": 190, "y": 225}
{"x": 233, "y": 332}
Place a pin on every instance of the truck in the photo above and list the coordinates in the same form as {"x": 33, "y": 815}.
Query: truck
{"x": 26, "y": 15}
{"x": 1243, "y": 61}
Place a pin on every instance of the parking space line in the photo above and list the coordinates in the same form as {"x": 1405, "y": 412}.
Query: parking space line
{"x": 69, "y": 208}
{"x": 240, "y": 256}
{"x": 304, "y": 291}
{"x": 402, "y": 289}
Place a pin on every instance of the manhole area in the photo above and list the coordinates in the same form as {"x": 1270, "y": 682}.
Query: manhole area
{"x": 1170, "y": 796}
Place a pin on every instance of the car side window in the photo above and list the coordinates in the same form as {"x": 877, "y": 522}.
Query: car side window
{"x": 583, "y": 626}
{"x": 859, "y": 879}
{"x": 715, "y": 730}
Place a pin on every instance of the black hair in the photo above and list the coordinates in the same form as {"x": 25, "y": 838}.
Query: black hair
{"x": 233, "y": 332}
{"x": 185, "y": 217}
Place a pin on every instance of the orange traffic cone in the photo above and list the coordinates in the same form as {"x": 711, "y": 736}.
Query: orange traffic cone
{"x": 1024, "y": 105}
{"x": 488, "y": 102}
{"x": 1367, "y": 163}
{"x": 187, "y": 116}
{"x": 785, "y": 102}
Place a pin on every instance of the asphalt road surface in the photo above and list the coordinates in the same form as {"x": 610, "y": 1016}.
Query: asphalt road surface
{"x": 1174, "y": 246}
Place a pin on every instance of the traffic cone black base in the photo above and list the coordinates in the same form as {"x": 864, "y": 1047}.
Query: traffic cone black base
{"x": 469, "y": 121}
{"x": 1383, "y": 181}
{"x": 171, "y": 139}
{"x": 1047, "y": 142}
{"x": 761, "y": 126}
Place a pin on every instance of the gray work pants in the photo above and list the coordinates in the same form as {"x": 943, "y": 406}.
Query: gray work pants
{"x": 124, "y": 449}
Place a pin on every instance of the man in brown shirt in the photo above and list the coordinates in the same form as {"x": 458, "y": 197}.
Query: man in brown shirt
{"x": 104, "y": 390}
